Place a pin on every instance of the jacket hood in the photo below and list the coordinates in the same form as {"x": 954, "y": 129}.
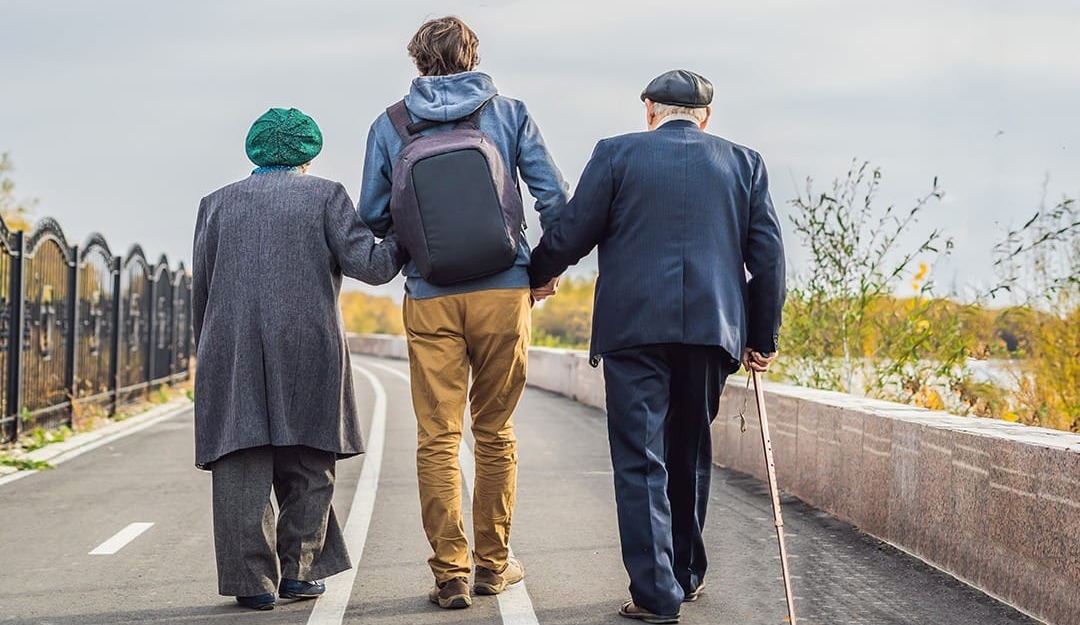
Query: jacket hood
{"x": 446, "y": 98}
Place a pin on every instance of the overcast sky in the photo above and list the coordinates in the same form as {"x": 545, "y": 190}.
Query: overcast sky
{"x": 121, "y": 114}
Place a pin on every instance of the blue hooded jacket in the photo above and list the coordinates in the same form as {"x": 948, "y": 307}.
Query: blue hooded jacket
{"x": 507, "y": 122}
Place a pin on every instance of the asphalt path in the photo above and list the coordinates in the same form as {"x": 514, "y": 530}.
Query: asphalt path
{"x": 122, "y": 534}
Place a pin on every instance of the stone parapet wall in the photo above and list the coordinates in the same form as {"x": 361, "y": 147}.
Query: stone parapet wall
{"x": 379, "y": 345}
{"x": 993, "y": 503}
{"x": 567, "y": 372}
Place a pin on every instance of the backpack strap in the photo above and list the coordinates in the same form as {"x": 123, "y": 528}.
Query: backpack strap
{"x": 408, "y": 130}
{"x": 399, "y": 117}
{"x": 473, "y": 120}
{"x": 422, "y": 125}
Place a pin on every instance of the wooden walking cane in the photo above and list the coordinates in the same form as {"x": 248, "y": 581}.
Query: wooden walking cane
{"x": 775, "y": 492}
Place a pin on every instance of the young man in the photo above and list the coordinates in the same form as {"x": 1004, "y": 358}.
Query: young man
{"x": 680, "y": 216}
{"x": 480, "y": 325}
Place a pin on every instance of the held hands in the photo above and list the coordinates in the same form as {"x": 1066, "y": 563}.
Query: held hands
{"x": 541, "y": 293}
{"x": 756, "y": 361}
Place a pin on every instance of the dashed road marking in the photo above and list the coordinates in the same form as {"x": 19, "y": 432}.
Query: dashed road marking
{"x": 120, "y": 539}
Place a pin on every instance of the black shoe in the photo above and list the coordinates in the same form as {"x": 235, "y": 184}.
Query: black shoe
{"x": 296, "y": 589}
{"x": 257, "y": 602}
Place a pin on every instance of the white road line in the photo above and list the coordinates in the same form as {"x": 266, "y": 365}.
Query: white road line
{"x": 515, "y": 606}
{"x": 120, "y": 539}
{"x": 104, "y": 440}
{"x": 387, "y": 368}
{"x": 330, "y": 608}
{"x": 18, "y": 475}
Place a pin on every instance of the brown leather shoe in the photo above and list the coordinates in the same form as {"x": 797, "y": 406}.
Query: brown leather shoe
{"x": 631, "y": 610}
{"x": 489, "y": 582}
{"x": 451, "y": 594}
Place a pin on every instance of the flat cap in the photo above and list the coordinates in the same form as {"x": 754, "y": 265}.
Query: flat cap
{"x": 283, "y": 137}
{"x": 679, "y": 87}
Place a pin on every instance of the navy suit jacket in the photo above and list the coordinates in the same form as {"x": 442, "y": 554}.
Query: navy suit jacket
{"x": 689, "y": 244}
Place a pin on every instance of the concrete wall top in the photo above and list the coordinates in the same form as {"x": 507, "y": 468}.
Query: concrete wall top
{"x": 545, "y": 371}
{"x": 978, "y": 426}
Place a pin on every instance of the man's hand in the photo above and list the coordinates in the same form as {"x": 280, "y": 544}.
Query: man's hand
{"x": 756, "y": 361}
{"x": 541, "y": 293}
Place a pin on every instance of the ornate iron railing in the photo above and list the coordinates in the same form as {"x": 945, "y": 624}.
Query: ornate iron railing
{"x": 81, "y": 326}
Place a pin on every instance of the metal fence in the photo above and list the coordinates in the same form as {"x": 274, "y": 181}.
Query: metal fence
{"x": 80, "y": 326}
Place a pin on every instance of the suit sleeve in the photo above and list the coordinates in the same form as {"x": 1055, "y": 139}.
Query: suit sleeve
{"x": 353, "y": 244}
{"x": 764, "y": 258}
{"x": 582, "y": 223}
{"x": 201, "y": 272}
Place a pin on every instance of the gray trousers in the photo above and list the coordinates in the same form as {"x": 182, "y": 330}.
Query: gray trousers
{"x": 254, "y": 551}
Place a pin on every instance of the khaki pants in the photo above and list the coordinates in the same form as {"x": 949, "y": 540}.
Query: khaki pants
{"x": 487, "y": 331}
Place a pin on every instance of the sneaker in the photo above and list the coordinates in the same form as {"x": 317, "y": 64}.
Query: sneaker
{"x": 489, "y": 582}
{"x": 257, "y": 602}
{"x": 632, "y": 610}
{"x": 296, "y": 589}
{"x": 451, "y": 594}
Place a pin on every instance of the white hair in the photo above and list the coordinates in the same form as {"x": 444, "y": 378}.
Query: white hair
{"x": 663, "y": 110}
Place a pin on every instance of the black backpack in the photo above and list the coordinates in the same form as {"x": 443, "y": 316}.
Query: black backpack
{"x": 455, "y": 207}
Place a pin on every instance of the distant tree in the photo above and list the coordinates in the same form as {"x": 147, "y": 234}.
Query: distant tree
{"x": 566, "y": 319}
{"x": 370, "y": 314}
{"x": 18, "y": 215}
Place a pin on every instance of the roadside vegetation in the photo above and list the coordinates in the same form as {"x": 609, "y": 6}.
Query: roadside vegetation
{"x": 864, "y": 315}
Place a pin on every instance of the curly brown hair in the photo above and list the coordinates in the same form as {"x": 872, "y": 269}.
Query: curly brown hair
{"x": 443, "y": 46}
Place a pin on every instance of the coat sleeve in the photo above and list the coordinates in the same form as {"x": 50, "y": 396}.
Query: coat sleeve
{"x": 353, "y": 244}
{"x": 201, "y": 272}
{"x": 582, "y": 223}
{"x": 764, "y": 258}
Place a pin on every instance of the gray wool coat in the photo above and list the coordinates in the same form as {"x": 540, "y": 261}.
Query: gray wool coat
{"x": 273, "y": 365}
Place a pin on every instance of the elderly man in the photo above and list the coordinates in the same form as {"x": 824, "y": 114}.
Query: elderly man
{"x": 680, "y": 216}
{"x": 274, "y": 400}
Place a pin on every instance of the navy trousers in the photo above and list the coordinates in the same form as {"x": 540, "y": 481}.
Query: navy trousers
{"x": 661, "y": 400}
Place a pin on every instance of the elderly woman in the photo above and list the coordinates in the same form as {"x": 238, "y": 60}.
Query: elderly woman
{"x": 274, "y": 400}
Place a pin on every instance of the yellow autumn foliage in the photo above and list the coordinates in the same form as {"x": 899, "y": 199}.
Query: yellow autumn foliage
{"x": 16, "y": 214}
{"x": 565, "y": 320}
{"x": 371, "y": 314}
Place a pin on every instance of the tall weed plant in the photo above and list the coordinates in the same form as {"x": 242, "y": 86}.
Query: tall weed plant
{"x": 849, "y": 326}
{"x": 1039, "y": 264}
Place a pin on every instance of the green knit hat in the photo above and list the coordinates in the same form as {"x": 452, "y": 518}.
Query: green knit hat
{"x": 283, "y": 137}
